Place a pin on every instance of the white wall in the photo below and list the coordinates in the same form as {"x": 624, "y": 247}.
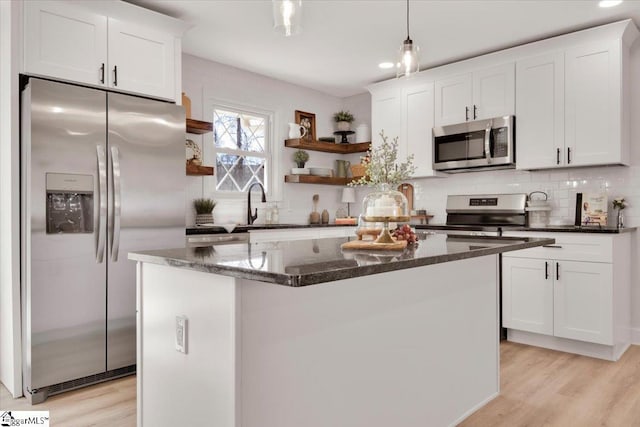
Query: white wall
{"x": 204, "y": 80}
{"x": 10, "y": 372}
{"x": 561, "y": 186}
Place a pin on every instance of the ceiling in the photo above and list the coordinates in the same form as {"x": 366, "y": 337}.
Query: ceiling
{"x": 342, "y": 42}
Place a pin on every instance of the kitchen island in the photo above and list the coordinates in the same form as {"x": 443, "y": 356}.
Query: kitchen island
{"x": 301, "y": 333}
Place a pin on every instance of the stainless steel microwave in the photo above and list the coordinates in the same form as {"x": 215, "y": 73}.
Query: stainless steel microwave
{"x": 477, "y": 145}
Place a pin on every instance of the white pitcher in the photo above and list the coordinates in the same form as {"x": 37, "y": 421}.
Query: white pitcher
{"x": 296, "y": 131}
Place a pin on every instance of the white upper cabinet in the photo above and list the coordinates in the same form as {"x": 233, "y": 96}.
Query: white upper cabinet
{"x": 453, "y": 100}
{"x": 70, "y": 42}
{"x": 65, "y": 42}
{"x": 385, "y": 113}
{"x": 485, "y": 93}
{"x": 540, "y": 111}
{"x": 141, "y": 60}
{"x": 417, "y": 123}
{"x": 593, "y": 127}
{"x": 404, "y": 109}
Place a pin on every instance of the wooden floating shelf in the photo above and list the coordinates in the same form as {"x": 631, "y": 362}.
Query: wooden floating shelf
{"x": 328, "y": 147}
{"x": 199, "y": 127}
{"x": 312, "y": 179}
{"x": 195, "y": 170}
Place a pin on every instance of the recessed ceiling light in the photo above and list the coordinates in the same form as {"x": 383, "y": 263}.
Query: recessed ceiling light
{"x": 609, "y": 3}
{"x": 385, "y": 65}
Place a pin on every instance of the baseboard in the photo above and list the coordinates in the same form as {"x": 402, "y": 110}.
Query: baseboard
{"x": 474, "y": 409}
{"x": 635, "y": 336}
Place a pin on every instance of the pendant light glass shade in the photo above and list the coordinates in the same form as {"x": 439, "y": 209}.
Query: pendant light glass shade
{"x": 287, "y": 16}
{"x": 408, "y": 59}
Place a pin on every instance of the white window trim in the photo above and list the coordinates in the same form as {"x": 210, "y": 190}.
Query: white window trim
{"x": 274, "y": 185}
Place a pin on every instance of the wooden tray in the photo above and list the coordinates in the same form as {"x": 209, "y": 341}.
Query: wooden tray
{"x": 369, "y": 245}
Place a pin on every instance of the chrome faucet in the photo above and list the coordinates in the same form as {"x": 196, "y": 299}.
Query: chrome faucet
{"x": 250, "y": 217}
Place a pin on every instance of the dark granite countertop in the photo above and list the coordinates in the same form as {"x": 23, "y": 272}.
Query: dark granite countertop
{"x": 309, "y": 262}
{"x": 550, "y": 228}
{"x": 217, "y": 229}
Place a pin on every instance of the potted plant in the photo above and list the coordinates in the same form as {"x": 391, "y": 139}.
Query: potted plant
{"x": 343, "y": 119}
{"x": 300, "y": 157}
{"x": 204, "y": 210}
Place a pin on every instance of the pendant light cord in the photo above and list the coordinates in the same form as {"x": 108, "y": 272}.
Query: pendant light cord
{"x": 408, "y": 19}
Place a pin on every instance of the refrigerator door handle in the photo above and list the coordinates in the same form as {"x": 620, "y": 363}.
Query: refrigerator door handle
{"x": 115, "y": 173}
{"x": 102, "y": 201}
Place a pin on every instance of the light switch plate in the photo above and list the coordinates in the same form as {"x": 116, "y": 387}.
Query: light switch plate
{"x": 181, "y": 334}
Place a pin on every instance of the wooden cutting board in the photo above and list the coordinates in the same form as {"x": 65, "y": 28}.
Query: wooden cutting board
{"x": 407, "y": 189}
{"x": 370, "y": 245}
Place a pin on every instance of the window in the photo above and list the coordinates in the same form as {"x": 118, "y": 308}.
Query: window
{"x": 241, "y": 141}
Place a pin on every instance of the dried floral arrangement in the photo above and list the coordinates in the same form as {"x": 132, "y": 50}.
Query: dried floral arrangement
{"x": 382, "y": 166}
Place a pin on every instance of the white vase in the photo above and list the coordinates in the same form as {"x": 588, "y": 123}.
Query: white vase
{"x": 344, "y": 126}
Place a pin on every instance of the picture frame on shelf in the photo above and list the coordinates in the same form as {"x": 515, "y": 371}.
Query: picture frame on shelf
{"x": 308, "y": 121}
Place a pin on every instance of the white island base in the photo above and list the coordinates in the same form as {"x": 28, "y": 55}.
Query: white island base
{"x": 413, "y": 347}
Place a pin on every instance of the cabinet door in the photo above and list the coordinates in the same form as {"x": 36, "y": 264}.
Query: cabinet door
{"x": 64, "y": 42}
{"x": 527, "y": 295}
{"x": 494, "y": 92}
{"x": 540, "y": 112}
{"x": 593, "y": 110}
{"x": 453, "y": 100}
{"x": 417, "y": 121}
{"x": 385, "y": 114}
{"x": 583, "y": 301}
{"x": 141, "y": 60}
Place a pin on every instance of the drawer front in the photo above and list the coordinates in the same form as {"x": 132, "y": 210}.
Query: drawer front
{"x": 568, "y": 246}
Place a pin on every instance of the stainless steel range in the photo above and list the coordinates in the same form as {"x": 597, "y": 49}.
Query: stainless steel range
{"x": 485, "y": 214}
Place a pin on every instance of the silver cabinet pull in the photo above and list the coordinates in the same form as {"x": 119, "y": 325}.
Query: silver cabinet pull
{"x": 117, "y": 199}
{"x": 102, "y": 201}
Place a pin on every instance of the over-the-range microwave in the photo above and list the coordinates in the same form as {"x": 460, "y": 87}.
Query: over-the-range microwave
{"x": 477, "y": 145}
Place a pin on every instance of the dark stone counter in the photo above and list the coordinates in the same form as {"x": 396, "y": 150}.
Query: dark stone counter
{"x": 309, "y": 262}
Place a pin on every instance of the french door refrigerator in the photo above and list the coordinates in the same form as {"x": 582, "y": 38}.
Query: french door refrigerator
{"x": 102, "y": 174}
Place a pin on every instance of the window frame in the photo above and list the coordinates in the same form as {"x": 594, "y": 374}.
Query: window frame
{"x": 210, "y": 151}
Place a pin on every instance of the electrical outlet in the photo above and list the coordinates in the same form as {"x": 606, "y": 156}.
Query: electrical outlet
{"x": 181, "y": 334}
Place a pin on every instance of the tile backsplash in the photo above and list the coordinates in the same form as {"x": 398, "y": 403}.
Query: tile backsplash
{"x": 560, "y": 185}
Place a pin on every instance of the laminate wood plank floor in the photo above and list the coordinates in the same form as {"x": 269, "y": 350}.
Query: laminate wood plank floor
{"x": 539, "y": 387}
{"x": 108, "y": 404}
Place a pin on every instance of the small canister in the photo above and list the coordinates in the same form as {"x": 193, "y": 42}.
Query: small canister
{"x": 363, "y": 134}
{"x": 539, "y": 210}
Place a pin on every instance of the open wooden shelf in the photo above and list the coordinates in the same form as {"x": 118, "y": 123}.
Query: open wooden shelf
{"x": 195, "y": 170}
{"x": 199, "y": 127}
{"x": 312, "y": 179}
{"x": 328, "y": 147}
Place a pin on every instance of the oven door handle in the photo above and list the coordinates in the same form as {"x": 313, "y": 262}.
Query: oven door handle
{"x": 487, "y": 142}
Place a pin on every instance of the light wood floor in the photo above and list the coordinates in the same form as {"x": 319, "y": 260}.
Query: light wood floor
{"x": 538, "y": 388}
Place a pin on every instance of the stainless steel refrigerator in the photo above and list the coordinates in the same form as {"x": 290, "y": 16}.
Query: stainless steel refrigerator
{"x": 102, "y": 174}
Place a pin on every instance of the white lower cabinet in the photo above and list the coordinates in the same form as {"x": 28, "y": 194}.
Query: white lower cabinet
{"x": 527, "y": 295}
{"x": 571, "y": 296}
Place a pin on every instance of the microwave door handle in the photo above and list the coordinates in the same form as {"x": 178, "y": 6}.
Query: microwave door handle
{"x": 487, "y": 142}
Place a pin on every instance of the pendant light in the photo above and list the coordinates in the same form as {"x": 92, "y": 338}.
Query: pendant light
{"x": 287, "y": 16}
{"x": 408, "y": 61}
